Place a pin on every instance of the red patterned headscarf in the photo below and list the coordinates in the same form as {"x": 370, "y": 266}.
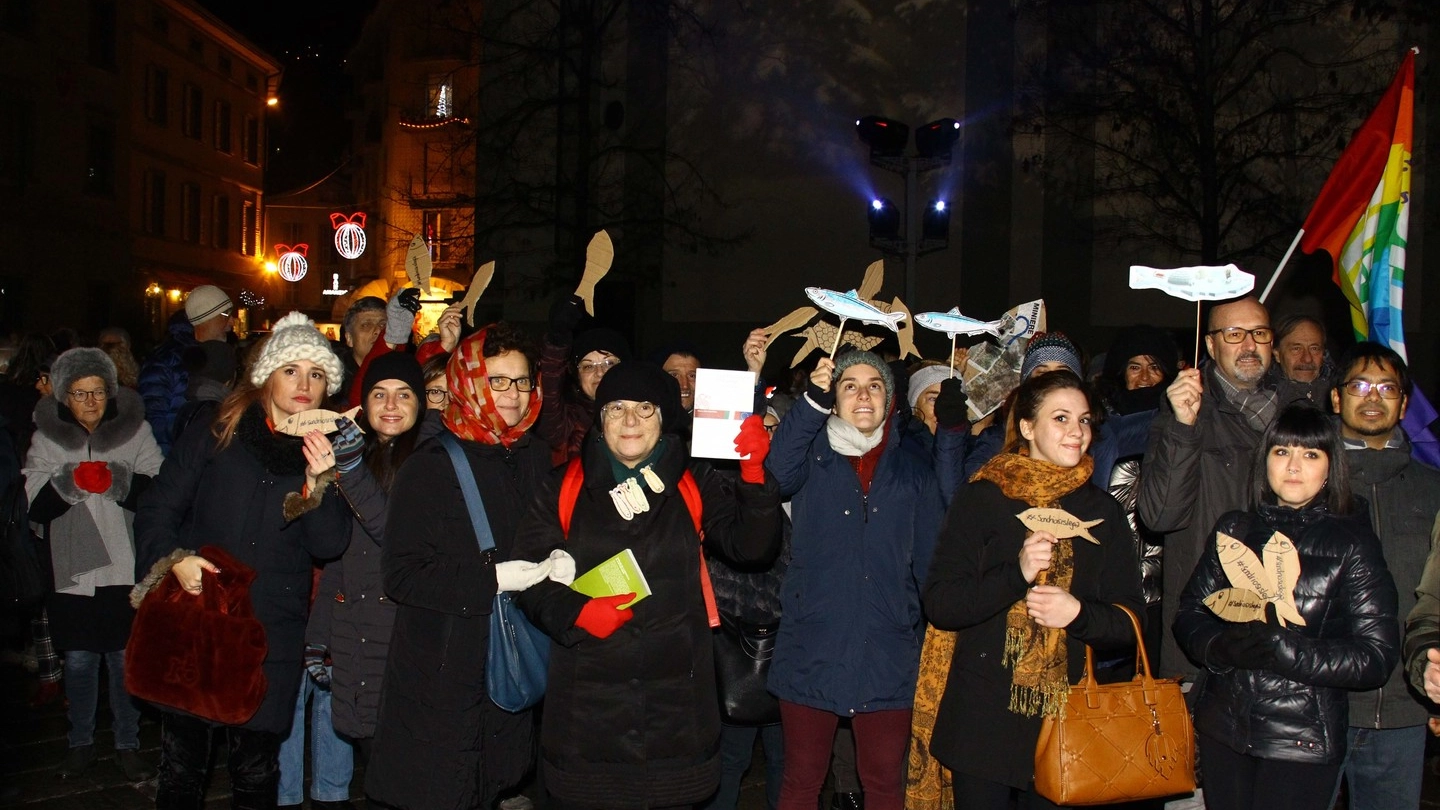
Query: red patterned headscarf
{"x": 470, "y": 414}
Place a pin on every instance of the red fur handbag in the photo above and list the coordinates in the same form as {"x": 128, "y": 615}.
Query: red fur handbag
{"x": 201, "y": 654}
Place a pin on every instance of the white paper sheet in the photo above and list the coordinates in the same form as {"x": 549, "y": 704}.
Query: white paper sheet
{"x": 723, "y": 399}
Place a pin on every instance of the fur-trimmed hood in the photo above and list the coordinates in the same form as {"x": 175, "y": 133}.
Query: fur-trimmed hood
{"x": 124, "y": 415}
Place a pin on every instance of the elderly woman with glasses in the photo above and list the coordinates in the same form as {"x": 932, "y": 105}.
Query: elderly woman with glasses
{"x": 631, "y": 714}
{"x": 90, "y": 458}
{"x": 571, "y": 368}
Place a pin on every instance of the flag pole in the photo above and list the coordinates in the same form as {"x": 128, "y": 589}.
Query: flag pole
{"x": 1197, "y": 335}
{"x": 1281, "y": 266}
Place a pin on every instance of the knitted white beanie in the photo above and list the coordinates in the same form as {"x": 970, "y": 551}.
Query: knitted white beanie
{"x": 296, "y": 338}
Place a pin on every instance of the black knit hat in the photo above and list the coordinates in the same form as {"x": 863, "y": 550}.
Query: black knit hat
{"x": 641, "y": 381}
{"x": 1142, "y": 340}
{"x": 393, "y": 366}
{"x": 600, "y": 339}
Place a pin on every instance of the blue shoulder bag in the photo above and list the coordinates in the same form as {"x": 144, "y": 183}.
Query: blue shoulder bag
{"x": 519, "y": 656}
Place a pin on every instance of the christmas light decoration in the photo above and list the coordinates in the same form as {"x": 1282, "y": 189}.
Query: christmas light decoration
{"x": 293, "y": 265}
{"x": 335, "y": 288}
{"x": 349, "y": 234}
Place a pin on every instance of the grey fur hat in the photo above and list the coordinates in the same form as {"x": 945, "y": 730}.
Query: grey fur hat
{"x": 873, "y": 360}
{"x": 80, "y": 363}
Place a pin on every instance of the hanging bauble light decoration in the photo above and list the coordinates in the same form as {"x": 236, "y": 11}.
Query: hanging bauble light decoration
{"x": 349, "y": 234}
{"x": 293, "y": 265}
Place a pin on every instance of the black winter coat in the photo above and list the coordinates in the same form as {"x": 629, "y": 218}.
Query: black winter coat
{"x": 633, "y": 720}
{"x": 1297, "y": 710}
{"x": 974, "y": 579}
{"x": 235, "y": 499}
{"x": 440, "y": 743}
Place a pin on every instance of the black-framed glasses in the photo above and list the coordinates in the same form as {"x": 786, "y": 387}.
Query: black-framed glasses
{"x": 98, "y": 395}
{"x": 503, "y": 383}
{"x": 616, "y": 410}
{"x": 1235, "y": 334}
{"x": 1362, "y": 388}
{"x": 439, "y": 395}
{"x": 587, "y": 367}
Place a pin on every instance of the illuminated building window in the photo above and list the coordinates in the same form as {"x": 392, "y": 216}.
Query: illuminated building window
{"x": 192, "y": 111}
{"x": 434, "y": 224}
{"x": 100, "y": 159}
{"x": 224, "y": 138}
{"x": 440, "y": 101}
{"x": 190, "y": 212}
{"x": 157, "y": 94}
{"x": 153, "y": 205}
{"x": 250, "y": 140}
{"x": 249, "y": 227}
{"x": 220, "y": 222}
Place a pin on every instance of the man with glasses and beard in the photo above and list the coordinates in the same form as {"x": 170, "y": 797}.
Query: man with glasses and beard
{"x": 1197, "y": 463}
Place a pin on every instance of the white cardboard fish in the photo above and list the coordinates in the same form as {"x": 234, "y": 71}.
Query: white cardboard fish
{"x": 1058, "y": 522}
{"x": 1200, "y": 283}
{"x": 321, "y": 419}
{"x": 417, "y": 263}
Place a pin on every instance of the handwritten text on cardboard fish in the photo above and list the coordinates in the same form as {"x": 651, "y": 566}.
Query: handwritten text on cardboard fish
{"x": 298, "y": 424}
{"x": 1058, "y": 522}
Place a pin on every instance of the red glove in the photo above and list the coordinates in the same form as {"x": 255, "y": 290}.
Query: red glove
{"x": 602, "y": 615}
{"x": 92, "y": 476}
{"x": 754, "y": 440}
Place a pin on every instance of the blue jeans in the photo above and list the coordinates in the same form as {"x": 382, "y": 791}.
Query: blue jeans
{"x": 82, "y": 689}
{"x": 332, "y": 760}
{"x": 737, "y": 747}
{"x": 1384, "y": 767}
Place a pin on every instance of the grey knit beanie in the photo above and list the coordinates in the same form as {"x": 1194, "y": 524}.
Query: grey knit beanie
{"x": 873, "y": 360}
{"x": 926, "y": 377}
{"x": 296, "y": 338}
{"x": 77, "y": 364}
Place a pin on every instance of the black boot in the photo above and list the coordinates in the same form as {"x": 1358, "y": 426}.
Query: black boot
{"x": 847, "y": 801}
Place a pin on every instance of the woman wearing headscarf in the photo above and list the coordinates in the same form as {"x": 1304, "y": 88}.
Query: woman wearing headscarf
{"x": 439, "y": 740}
{"x": 91, "y": 457}
{"x": 1272, "y": 711}
{"x": 1025, "y": 603}
{"x": 631, "y": 714}
{"x": 262, "y": 496}
{"x": 866, "y": 506}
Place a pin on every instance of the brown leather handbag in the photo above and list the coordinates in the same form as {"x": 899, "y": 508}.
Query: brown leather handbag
{"x": 1117, "y": 742}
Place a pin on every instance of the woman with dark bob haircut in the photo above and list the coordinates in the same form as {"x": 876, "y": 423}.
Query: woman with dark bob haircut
{"x": 1272, "y": 710}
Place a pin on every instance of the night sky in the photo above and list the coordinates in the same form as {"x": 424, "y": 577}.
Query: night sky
{"x": 309, "y": 135}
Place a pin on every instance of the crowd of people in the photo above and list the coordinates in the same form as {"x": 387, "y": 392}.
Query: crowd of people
{"x": 916, "y": 634}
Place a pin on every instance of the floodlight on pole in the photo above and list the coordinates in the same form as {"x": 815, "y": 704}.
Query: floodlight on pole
{"x": 886, "y": 137}
{"x": 937, "y": 139}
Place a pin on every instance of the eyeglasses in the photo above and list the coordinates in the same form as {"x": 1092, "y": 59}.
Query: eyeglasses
{"x": 617, "y": 410}
{"x": 504, "y": 383}
{"x": 1235, "y": 334}
{"x": 587, "y": 368}
{"x": 98, "y": 395}
{"x": 439, "y": 395}
{"x": 1362, "y": 388}
{"x": 771, "y": 428}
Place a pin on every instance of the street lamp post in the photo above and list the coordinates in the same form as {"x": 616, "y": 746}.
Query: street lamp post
{"x": 924, "y": 232}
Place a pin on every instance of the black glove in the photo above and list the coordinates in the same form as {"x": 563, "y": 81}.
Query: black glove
{"x": 565, "y": 315}
{"x": 1247, "y": 645}
{"x": 951, "y": 406}
{"x": 316, "y": 657}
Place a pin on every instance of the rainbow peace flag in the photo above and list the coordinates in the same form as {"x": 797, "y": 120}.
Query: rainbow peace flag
{"x": 1362, "y": 219}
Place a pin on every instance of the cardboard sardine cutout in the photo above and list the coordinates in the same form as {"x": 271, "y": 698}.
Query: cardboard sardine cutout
{"x": 1058, "y": 522}
{"x": 1244, "y": 570}
{"x": 599, "y": 255}
{"x": 321, "y": 419}
{"x": 851, "y": 307}
{"x": 1237, "y": 605}
{"x": 483, "y": 275}
{"x": 1203, "y": 283}
{"x": 418, "y": 264}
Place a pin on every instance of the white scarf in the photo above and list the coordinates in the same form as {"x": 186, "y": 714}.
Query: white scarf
{"x": 847, "y": 440}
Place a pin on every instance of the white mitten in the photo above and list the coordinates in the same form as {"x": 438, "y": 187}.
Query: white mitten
{"x": 518, "y": 575}
{"x": 564, "y": 571}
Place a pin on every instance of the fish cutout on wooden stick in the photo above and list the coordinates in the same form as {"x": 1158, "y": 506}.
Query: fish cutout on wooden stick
{"x": 1058, "y": 522}
{"x": 873, "y": 279}
{"x": 1203, "y": 283}
{"x": 418, "y": 266}
{"x": 953, "y": 324}
{"x": 796, "y": 319}
{"x": 906, "y": 332}
{"x": 1245, "y": 570}
{"x": 821, "y": 334}
{"x": 321, "y": 419}
{"x": 478, "y": 282}
{"x": 599, "y": 255}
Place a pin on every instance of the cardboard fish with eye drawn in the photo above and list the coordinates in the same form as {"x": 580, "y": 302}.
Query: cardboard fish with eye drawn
{"x": 1203, "y": 283}
{"x": 599, "y": 255}
{"x": 321, "y": 419}
{"x": 1058, "y": 522}
{"x": 1272, "y": 580}
{"x": 418, "y": 265}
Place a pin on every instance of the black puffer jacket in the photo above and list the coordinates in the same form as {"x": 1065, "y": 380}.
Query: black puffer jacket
{"x": 1297, "y": 710}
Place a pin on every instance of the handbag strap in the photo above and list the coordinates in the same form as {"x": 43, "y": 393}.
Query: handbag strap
{"x": 479, "y": 520}
{"x": 689, "y": 492}
{"x": 1142, "y": 658}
